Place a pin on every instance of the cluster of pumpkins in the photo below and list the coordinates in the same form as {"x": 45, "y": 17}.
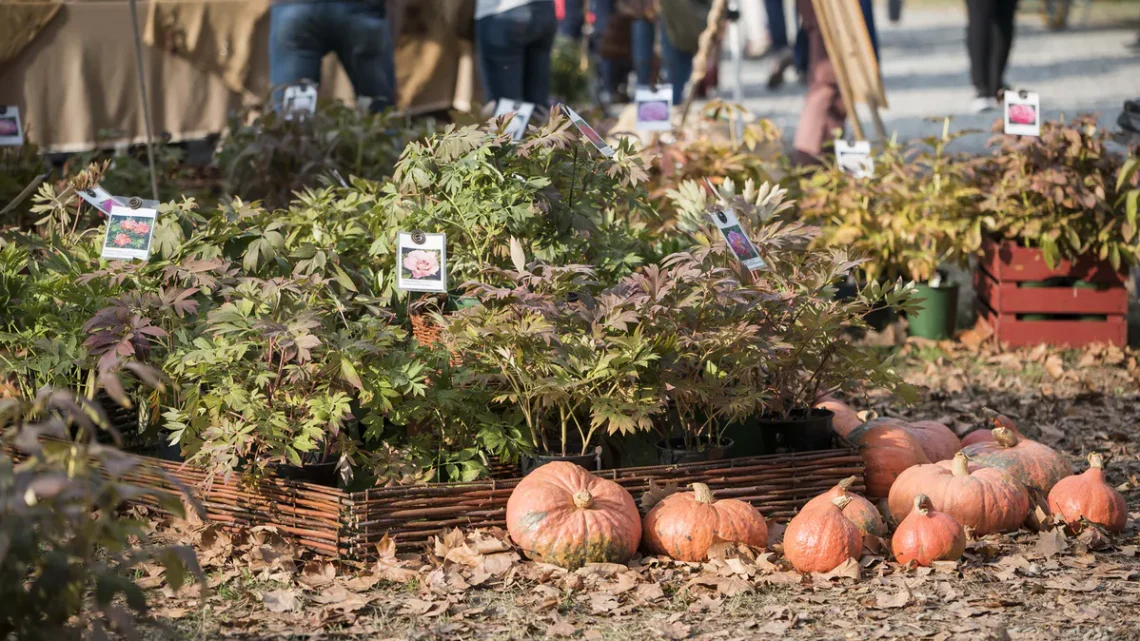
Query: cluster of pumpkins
{"x": 564, "y": 515}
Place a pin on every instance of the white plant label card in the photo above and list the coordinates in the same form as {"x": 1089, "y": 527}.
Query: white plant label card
{"x": 1022, "y": 113}
{"x": 855, "y": 157}
{"x": 595, "y": 139}
{"x": 100, "y": 199}
{"x": 738, "y": 242}
{"x": 130, "y": 230}
{"x": 11, "y": 129}
{"x": 299, "y": 99}
{"x": 522, "y": 112}
{"x": 653, "y": 108}
{"x": 421, "y": 262}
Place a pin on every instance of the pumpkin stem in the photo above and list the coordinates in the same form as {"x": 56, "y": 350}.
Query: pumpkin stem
{"x": 1004, "y": 437}
{"x": 1096, "y": 461}
{"x": 961, "y": 465}
{"x": 922, "y": 504}
{"x": 846, "y": 483}
{"x": 703, "y": 493}
{"x": 583, "y": 499}
{"x": 841, "y": 501}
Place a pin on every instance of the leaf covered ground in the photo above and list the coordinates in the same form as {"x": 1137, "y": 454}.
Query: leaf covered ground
{"x": 473, "y": 585}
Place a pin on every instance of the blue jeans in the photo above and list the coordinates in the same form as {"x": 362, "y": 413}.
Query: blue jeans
{"x": 302, "y": 33}
{"x": 574, "y": 21}
{"x": 777, "y": 23}
{"x": 514, "y": 52}
{"x": 800, "y": 52}
{"x": 679, "y": 64}
{"x": 642, "y": 35}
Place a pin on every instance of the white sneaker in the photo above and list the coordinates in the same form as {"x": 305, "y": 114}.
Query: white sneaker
{"x": 983, "y": 103}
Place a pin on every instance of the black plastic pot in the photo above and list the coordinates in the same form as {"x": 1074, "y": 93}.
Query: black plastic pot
{"x": 673, "y": 451}
{"x": 799, "y": 432}
{"x": 315, "y": 473}
{"x": 592, "y": 462}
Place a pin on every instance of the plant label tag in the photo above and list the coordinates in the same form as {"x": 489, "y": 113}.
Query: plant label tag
{"x": 1022, "y": 113}
{"x": 653, "y": 106}
{"x": 98, "y": 198}
{"x": 595, "y": 139}
{"x": 738, "y": 242}
{"x": 11, "y": 130}
{"x": 130, "y": 230}
{"x": 421, "y": 262}
{"x": 855, "y": 157}
{"x": 522, "y": 112}
{"x": 300, "y": 100}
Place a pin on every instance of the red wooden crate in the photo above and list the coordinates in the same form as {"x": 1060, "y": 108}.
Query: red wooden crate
{"x": 1009, "y": 298}
{"x": 1074, "y": 333}
{"x": 1007, "y": 262}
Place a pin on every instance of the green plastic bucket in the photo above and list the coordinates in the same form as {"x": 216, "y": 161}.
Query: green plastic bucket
{"x": 937, "y": 318}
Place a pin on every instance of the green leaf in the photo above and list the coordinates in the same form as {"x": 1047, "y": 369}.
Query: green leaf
{"x": 343, "y": 278}
{"x": 348, "y": 372}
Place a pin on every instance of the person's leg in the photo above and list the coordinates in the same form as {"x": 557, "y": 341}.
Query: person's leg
{"x": 823, "y": 105}
{"x": 755, "y": 26}
{"x": 574, "y": 19}
{"x": 680, "y": 65}
{"x": 501, "y": 58}
{"x": 777, "y": 24}
{"x": 868, "y": 10}
{"x": 536, "y": 78}
{"x": 295, "y": 44}
{"x": 1004, "y": 18}
{"x": 642, "y": 36}
{"x": 364, "y": 47}
{"x": 979, "y": 34}
{"x": 603, "y": 9}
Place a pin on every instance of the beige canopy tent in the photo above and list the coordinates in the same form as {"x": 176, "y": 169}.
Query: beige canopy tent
{"x": 70, "y": 66}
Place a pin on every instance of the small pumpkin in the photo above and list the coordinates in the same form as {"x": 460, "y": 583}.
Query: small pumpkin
{"x": 982, "y": 435}
{"x": 938, "y": 441}
{"x": 927, "y": 535}
{"x": 1088, "y": 495}
{"x": 887, "y": 449}
{"x": 684, "y": 525}
{"x": 820, "y": 538}
{"x": 984, "y": 498}
{"x": 562, "y": 514}
{"x": 859, "y": 511}
{"x": 845, "y": 419}
{"x": 1032, "y": 463}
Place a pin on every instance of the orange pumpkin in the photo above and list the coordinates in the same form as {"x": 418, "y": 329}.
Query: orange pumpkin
{"x": 1028, "y": 461}
{"x": 1089, "y": 496}
{"x": 562, "y": 514}
{"x": 819, "y": 539}
{"x": 983, "y": 498}
{"x": 859, "y": 511}
{"x": 927, "y": 535}
{"x": 684, "y": 525}
{"x": 939, "y": 442}
{"x": 982, "y": 435}
{"x": 845, "y": 419}
{"x": 887, "y": 449}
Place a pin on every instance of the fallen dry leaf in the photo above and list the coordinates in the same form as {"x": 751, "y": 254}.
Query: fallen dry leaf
{"x": 280, "y": 600}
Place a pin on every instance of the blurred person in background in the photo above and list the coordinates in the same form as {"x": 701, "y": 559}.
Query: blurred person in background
{"x": 302, "y": 32}
{"x": 989, "y": 39}
{"x": 682, "y": 22}
{"x": 823, "y": 110}
{"x": 513, "y": 42}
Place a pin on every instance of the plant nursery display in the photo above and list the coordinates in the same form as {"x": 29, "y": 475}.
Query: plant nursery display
{"x": 927, "y": 535}
{"x": 822, "y": 538}
{"x": 684, "y": 525}
{"x": 858, "y": 510}
{"x": 1028, "y": 461}
{"x": 986, "y": 499}
{"x": 562, "y": 514}
{"x": 1087, "y": 497}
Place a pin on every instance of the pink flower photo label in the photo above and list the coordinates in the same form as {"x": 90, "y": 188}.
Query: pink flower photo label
{"x": 737, "y": 240}
{"x": 522, "y": 112}
{"x": 1022, "y": 113}
{"x": 11, "y": 128}
{"x": 654, "y": 108}
{"x": 130, "y": 232}
{"x": 589, "y": 133}
{"x": 421, "y": 262}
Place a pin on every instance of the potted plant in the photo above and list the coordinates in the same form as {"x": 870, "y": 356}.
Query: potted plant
{"x": 907, "y": 220}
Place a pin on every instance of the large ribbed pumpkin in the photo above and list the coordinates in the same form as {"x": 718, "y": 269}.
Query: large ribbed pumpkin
{"x": 1032, "y": 463}
{"x": 859, "y": 510}
{"x": 887, "y": 449}
{"x": 684, "y": 525}
{"x": 819, "y": 539}
{"x": 562, "y": 514}
{"x": 938, "y": 441}
{"x": 1088, "y": 496}
{"x": 985, "y": 499}
{"x": 927, "y": 535}
{"x": 845, "y": 418}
